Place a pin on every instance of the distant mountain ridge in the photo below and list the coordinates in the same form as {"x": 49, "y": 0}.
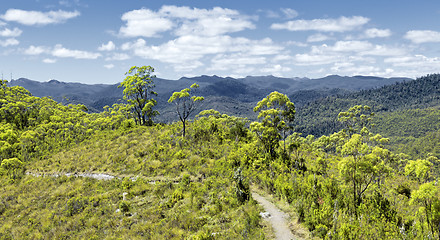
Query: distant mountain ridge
{"x": 235, "y": 96}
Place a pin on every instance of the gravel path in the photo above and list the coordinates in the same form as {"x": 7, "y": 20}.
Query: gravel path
{"x": 99, "y": 176}
{"x": 276, "y": 217}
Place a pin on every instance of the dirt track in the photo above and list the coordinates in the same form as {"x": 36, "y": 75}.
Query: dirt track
{"x": 276, "y": 217}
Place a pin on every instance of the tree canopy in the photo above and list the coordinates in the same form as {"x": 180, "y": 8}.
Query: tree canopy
{"x": 277, "y": 114}
{"x": 138, "y": 92}
{"x": 186, "y": 103}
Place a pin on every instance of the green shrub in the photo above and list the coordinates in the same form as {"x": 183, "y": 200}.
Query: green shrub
{"x": 76, "y": 205}
{"x": 124, "y": 206}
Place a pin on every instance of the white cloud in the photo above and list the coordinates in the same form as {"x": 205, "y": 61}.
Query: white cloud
{"x": 49, "y": 60}
{"x": 223, "y": 62}
{"x": 382, "y": 50}
{"x": 275, "y": 70}
{"x": 338, "y": 66}
{"x": 364, "y": 70}
{"x": 242, "y": 71}
{"x": 282, "y": 57}
{"x": 346, "y": 51}
{"x": 109, "y": 66}
{"x": 259, "y": 47}
{"x": 196, "y": 13}
{"x": 193, "y": 48}
{"x": 144, "y": 23}
{"x": 317, "y": 38}
{"x": 9, "y": 42}
{"x": 187, "y": 53}
{"x": 358, "y": 47}
{"x": 213, "y": 26}
{"x": 118, "y": 57}
{"x": 416, "y": 62}
{"x": 10, "y": 33}
{"x": 341, "y": 24}
{"x": 289, "y": 13}
{"x": 314, "y": 59}
{"x": 38, "y": 18}
{"x": 110, "y": 46}
{"x": 189, "y": 66}
{"x": 295, "y": 43}
{"x": 423, "y": 36}
{"x": 60, "y": 51}
{"x": 377, "y": 33}
{"x": 35, "y": 50}
{"x": 183, "y": 21}
{"x": 351, "y": 46}
{"x": 213, "y": 22}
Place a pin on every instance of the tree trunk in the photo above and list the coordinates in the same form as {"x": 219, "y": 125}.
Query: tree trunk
{"x": 184, "y": 127}
{"x": 355, "y": 201}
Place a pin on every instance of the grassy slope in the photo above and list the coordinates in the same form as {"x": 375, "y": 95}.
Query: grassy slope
{"x": 195, "y": 197}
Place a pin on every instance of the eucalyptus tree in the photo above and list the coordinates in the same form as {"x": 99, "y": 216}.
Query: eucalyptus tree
{"x": 277, "y": 114}
{"x": 186, "y": 103}
{"x": 138, "y": 92}
{"x": 426, "y": 197}
{"x": 356, "y": 120}
{"x": 17, "y": 106}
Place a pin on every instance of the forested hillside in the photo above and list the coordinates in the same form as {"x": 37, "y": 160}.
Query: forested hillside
{"x": 191, "y": 179}
{"x": 318, "y": 117}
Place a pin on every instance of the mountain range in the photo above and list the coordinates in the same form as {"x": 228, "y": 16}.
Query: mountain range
{"x": 234, "y": 96}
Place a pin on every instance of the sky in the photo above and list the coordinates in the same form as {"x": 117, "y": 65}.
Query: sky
{"x": 98, "y": 41}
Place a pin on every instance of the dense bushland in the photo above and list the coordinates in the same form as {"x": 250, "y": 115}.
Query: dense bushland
{"x": 320, "y": 117}
{"x": 344, "y": 185}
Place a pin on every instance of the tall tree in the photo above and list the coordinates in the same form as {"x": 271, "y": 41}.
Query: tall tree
{"x": 277, "y": 114}
{"x": 186, "y": 103}
{"x": 17, "y": 105}
{"x": 362, "y": 166}
{"x": 356, "y": 120}
{"x": 428, "y": 197}
{"x": 138, "y": 92}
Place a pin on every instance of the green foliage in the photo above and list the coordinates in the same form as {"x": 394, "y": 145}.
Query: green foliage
{"x": 277, "y": 114}
{"x": 186, "y": 103}
{"x": 17, "y": 106}
{"x": 13, "y": 167}
{"x": 124, "y": 206}
{"x": 165, "y": 197}
{"x": 138, "y": 92}
{"x": 320, "y": 117}
{"x": 414, "y": 131}
{"x": 418, "y": 169}
{"x": 362, "y": 166}
{"x": 346, "y": 185}
{"x": 241, "y": 187}
{"x": 428, "y": 196}
{"x": 76, "y": 205}
{"x": 356, "y": 120}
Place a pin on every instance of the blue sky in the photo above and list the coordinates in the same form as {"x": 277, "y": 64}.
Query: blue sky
{"x": 98, "y": 41}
